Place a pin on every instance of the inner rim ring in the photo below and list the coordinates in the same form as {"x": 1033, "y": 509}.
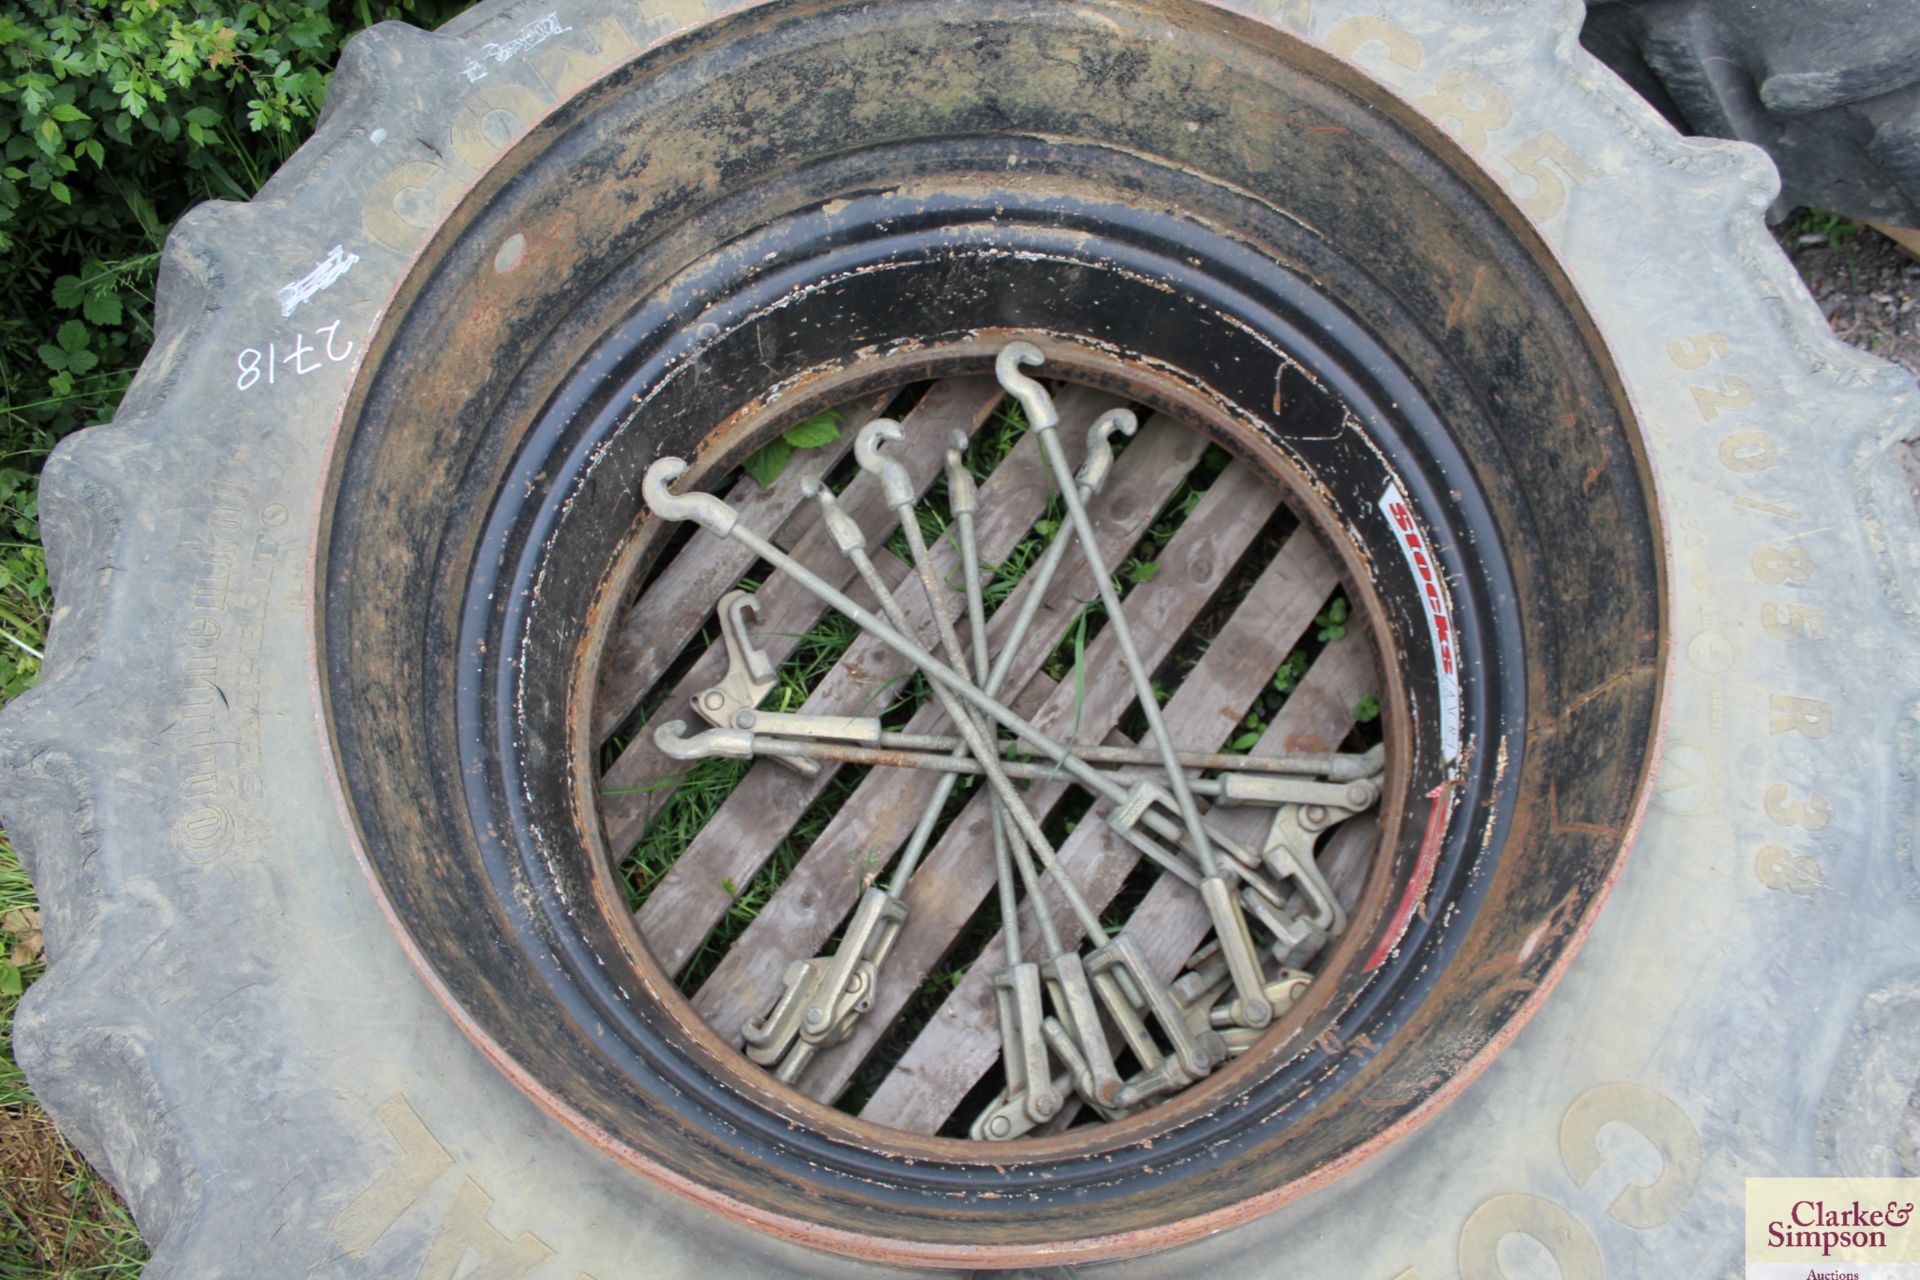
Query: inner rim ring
{"x": 1082, "y": 366}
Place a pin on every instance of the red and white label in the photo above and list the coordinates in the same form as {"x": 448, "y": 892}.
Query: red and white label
{"x": 1433, "y": 601}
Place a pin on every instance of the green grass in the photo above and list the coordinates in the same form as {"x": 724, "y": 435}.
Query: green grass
{"x": 24, "y": 598}
{"x": 1839, "y": 230}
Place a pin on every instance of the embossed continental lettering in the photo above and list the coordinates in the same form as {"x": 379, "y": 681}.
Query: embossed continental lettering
{"x": 1554, "y": 168}
{"x": 412, "y": 198}
{"x": 1781, "y": 868}
{"x": 407, "y": 202}
{"x": 1654, "y": 1117}
{"x": 1792, "y": 621}
{"x": 1470, "y": 101}
{"x": 1809, "y": 717}
{"x": 1814, "y": 814}
{"x": 1297, "y": 14}
{"x": 465, "y": 1230}
{"x": 565, "y": 68}
{"x": 1554, "y": 1228}
{"x": 374, "y": 1211}
{"x": 1782, "y": 564}
{"x": 1749, "y": 451}
{"x": 1695, "y": 352}
{"x": 1562, "y": 1235}
{"x": 212, "y": 727}
{"x": 1351, "y": 35}
{"x": 1733, "y": 395}
{"x": 491, "y": 117}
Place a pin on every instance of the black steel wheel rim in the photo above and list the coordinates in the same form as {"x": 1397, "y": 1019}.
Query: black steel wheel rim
{"x": 868, "y": 262}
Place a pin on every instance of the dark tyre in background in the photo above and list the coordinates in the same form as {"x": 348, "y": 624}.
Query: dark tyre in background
{"x": 1831, "y": 90}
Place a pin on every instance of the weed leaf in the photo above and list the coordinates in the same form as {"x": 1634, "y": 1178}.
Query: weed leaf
{"x": 766, "y": 464}
{"x": 816, "y": 432}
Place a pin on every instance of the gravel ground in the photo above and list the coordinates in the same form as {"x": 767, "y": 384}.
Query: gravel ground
{"x": 1869, "y": 289}
{"x": 1865, "y": 283}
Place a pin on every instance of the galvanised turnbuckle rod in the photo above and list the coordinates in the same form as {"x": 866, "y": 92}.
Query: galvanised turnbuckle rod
{"x": 1092, "y": 478}
{"x": 1231, "y": 790}
{"x": 1330, "y": 766}
{"x": 963, "y": 499}
{"x": 1022, "y": 982}
{"x": 1229, "y": 923}
{"x": 851, "y": 541}
{"x": 1064, "y": 975}
{"x": 1077, "y": 1030}
{"x": 1017, "y": 987}
{"x": 768, "y": 1038}
{"x": 1066, "y": 979}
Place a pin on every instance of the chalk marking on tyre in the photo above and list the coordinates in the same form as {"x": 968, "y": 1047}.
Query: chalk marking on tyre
{"x": 537, "y": 32}
{"x": 301, "y": 357}
{"x": 325, "y": 272}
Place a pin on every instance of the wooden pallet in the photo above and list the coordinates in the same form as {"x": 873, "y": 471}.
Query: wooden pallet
{"x": 960, "y": 1044}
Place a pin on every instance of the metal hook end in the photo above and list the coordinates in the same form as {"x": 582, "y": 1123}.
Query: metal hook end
{"x": 963, "y": 496}
{"x": 741, "y": 650}
{"x": 1113, "y": 420}
{"x": 894, "y": 480}
{"x": 866, "y": 445}
{"x": 1033, "y": 398}
{"x": 673, "y": 741}
{"x": 841, "y": 527}
{"x": 702, "y": 508}
{"x": 738, "y": 602}
{"x": 675, "y": 744}
{"x": 1099, "y": 461}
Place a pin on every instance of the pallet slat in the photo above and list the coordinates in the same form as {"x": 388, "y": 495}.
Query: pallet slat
{"x": 950, "y": 1056}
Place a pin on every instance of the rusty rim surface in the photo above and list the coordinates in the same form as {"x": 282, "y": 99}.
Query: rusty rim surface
{"x": 504, "y": 517}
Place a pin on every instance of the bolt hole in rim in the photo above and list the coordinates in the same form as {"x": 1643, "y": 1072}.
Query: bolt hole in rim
{"x": 700, "y": 296}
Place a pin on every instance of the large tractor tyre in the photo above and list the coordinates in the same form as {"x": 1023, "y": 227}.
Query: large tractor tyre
{"x": 330, "y": 812}
{"x": 1832, "y": 91}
